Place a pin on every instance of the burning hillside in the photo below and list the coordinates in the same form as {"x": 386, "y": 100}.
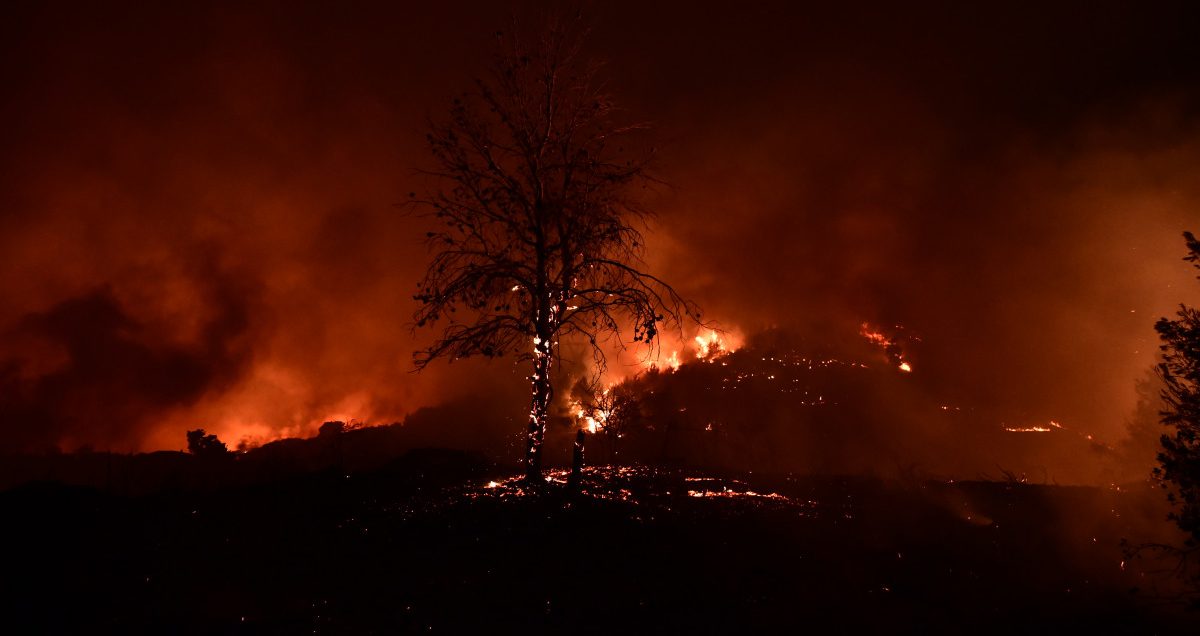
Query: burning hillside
{"x": 781, "y": 404}
{"x": 775, "y": 318}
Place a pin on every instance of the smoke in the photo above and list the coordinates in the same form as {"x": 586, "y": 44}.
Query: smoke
{"x": 1032, "y": 280}
{"x": 168, "y": 170}
{"x": 87, "y": 371}
{"x": 1016, "y": 206}
{"x": 207, "y": 195}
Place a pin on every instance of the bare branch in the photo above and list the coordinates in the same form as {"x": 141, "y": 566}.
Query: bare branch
{"x": 537, "y": 236}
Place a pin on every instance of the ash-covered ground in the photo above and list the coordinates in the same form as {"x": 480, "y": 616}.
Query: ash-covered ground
{"x": 440, "y": 541}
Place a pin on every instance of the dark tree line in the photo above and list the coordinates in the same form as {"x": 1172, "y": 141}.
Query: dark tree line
{"x": 1179, "y": 459}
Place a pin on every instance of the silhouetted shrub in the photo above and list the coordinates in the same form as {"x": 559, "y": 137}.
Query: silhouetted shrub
{"x": 331, "y": 429}
{"x": 202, "y": 445}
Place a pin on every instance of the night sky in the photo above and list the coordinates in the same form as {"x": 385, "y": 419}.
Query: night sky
{"x": 199, "y": 220}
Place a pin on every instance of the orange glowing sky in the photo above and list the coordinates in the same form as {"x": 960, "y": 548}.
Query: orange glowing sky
{"x": 199, "y": 223}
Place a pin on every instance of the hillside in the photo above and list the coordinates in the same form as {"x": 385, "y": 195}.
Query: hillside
{"x": 438, "y": 541}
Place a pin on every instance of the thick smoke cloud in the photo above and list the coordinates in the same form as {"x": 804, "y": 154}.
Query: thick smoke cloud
{"x": 207, "y": 194}
{"x": 110, "y": 375}
{"x": 1009, "y": 186}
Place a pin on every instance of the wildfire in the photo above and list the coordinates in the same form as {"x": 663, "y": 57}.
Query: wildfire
{"x": 874, "y": 337}
{"x": 673, "y": 361}
{"x": 654, "y": 487}
{"x": 727, "y": 493}
{"x": 889, "y": 345}
{"x": 590, "y": 423}
{"x": 1037, "y": 428}
{"x": 594, "y": 419}
{"x": 1052, "y": 425}
{"x": 670, "y": 363}
{"x": 712, "y": 346}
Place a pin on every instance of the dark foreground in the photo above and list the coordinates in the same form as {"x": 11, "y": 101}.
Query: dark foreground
{"x": 425, "y": 544}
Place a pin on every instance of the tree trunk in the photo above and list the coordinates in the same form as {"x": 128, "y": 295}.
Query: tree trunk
{"x": 540, "y": 381}
{"x": 576, "y": 477}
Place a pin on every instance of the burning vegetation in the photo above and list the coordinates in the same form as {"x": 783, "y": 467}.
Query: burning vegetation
{"x": 218, "y": 248}
{"x": 775, "y": 403}
{"x": 891, "y": 345}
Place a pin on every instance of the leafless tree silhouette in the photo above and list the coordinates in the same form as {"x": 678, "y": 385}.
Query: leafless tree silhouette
{"x": 537, "y": 235}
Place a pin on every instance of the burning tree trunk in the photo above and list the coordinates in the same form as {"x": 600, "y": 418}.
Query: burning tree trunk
{"x": 538, "y": 411}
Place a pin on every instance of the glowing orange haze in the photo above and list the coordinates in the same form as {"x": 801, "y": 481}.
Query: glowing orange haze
{"x": 212, "y": 211}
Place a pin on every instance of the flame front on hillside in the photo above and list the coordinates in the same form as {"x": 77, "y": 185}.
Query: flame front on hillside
{"x": 890, "y": 345}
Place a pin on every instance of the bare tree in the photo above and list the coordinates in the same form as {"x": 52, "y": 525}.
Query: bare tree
{"x": 537, "y": 238}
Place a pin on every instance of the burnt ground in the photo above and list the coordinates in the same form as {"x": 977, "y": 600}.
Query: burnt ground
{"x": 424, "y": 544}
